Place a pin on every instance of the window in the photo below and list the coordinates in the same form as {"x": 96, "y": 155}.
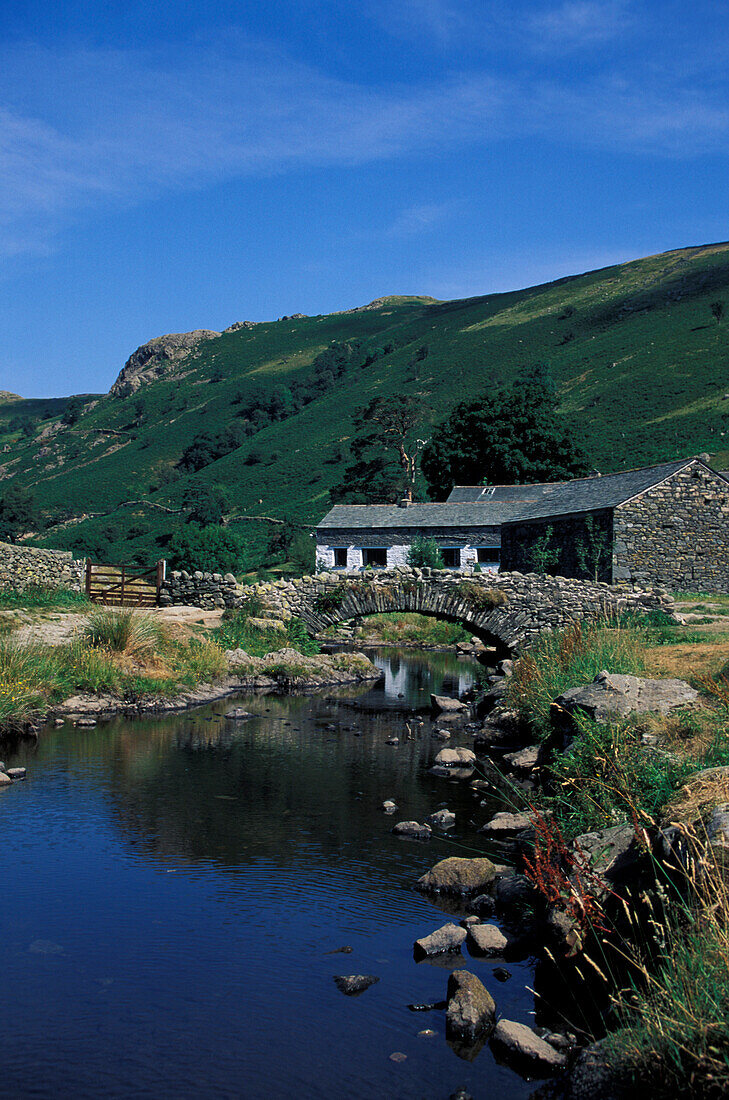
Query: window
{"x": 340, "y": 557}
{"x": 376, "y": 556}
{"x": 490, "y": 556}
{"x": 451, "y": 556}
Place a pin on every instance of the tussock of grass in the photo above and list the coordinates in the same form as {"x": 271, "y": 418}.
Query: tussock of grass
{"x": 123, "y": 630}
{"x": 567, "y": 658}
{"x": 483, "y": 599}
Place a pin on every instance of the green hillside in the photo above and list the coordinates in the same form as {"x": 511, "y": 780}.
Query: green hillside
{"x": 641, "y": 364}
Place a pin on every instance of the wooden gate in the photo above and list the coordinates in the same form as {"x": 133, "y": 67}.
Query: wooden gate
{"x": 124, "y": 585}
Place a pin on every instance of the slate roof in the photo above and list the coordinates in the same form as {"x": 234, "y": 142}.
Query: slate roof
{"x": 418, "y": 515}
{"x": 590, "y": 494}
{"x": 463, "y": 494}
{"x": 507, "y": 504}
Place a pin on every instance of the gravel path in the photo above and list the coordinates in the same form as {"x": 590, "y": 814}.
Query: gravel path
{"x": 59, "y": 627}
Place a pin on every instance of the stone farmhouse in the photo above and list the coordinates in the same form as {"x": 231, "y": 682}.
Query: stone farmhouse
{"x": 665, "y": 525}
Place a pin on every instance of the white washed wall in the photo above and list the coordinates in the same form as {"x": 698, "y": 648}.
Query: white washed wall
{"x": 397, "y": 554}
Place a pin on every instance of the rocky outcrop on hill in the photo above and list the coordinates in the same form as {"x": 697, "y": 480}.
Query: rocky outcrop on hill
{"x": 6, "y": 395}
{"x": 157, "y": 358}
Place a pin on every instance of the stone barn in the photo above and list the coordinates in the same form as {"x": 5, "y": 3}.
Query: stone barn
{"x": 666, "y": 525}
{"x": 662, "y": 525}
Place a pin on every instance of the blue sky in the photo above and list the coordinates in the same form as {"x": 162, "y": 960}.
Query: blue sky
{"x": 165, "y": 167}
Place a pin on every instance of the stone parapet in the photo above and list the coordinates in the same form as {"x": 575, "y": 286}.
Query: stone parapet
{"x": 508, "y": 610}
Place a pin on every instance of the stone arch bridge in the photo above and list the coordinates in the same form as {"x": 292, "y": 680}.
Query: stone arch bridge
{"x": 505, "y": 610}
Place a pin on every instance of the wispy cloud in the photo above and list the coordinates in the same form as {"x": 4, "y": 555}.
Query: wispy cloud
{"x": 442, "y": 21}
{"x": 419, "y": 219}
{"x": 86, "y": 127}
{"x": 579, "y": 23}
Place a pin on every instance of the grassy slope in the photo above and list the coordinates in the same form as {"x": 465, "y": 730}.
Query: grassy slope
{"x": 642, "y": 369}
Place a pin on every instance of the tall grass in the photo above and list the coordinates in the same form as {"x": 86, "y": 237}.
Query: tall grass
{"x": 34, "y": 596}
{"x": 236, "y": 632}
{"x": 674, "y": 1038}
{"x": 123, "y": 630}
{"x": 566, "y": 658}
{"x": 408, "y": 627}
{"x": 608, "y": 775}
{"x": 34, "y": 676}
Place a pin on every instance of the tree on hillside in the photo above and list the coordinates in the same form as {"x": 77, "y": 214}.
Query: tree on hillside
{"x": 509, "y": 437}
{"x": 386, "y": 449}
{"x": 213, "y": 549}
{"x": 72, "y": 411}
{"x": 205, "y": 504}
{"x": 717, "y": 311}
{"x": 17, "y": 513}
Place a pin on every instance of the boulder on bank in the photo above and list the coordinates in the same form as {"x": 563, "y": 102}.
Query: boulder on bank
{"x": 471, "y": 1010}
{"x": 525, "y": 760}
{"x": 5, "y": 780}
{"x": 591, "y": 1076}
{"x": 444, "y": 704}
{"x": 506, "y": 826}
{"x": 612, "y": 852}
{"x": 523, "y": 1045}
{"x": 459, "y": 875}
{"x": 444, "y": 941}
{"x": 613, "y": 695}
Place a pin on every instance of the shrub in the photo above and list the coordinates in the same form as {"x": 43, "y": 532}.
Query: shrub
{"x": 482, "y": 599}
{"x": 424, "y": 554}
{"x": 212, "y": 549}
{"x": 331, "y": 599}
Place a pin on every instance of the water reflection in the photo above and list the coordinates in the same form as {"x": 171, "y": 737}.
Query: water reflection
{"x": 410, "y": 676}
{"x": 192, "y": 875}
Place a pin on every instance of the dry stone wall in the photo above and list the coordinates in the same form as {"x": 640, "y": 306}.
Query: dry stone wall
{"x": 200, "y": 589}
{"x": 30, "y": 567}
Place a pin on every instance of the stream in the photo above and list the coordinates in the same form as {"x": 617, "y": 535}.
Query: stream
{"x": 174, "y": 890}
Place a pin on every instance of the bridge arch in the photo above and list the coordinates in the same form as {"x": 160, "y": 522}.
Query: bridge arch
{"x": 506, "y": 610}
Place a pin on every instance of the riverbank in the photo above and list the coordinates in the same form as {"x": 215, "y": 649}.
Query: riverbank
{"x": 619, "y": 779}
{"x": 115, "y": 661}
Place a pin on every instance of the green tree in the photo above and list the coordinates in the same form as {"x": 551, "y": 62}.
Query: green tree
{"x": 72, "y": 411}
{"x": 386, "y": 450}
{"x": 17, "y": 513}
{"x": 206, "y": 504}
{"x": 542, "y": 555}
{"x": 510, "y": 437}
{"x": 593, "y": 551}
{"x": 424, "y": 554}
{"x": 717, "y": 311}
{"x": 212, "y": 549}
